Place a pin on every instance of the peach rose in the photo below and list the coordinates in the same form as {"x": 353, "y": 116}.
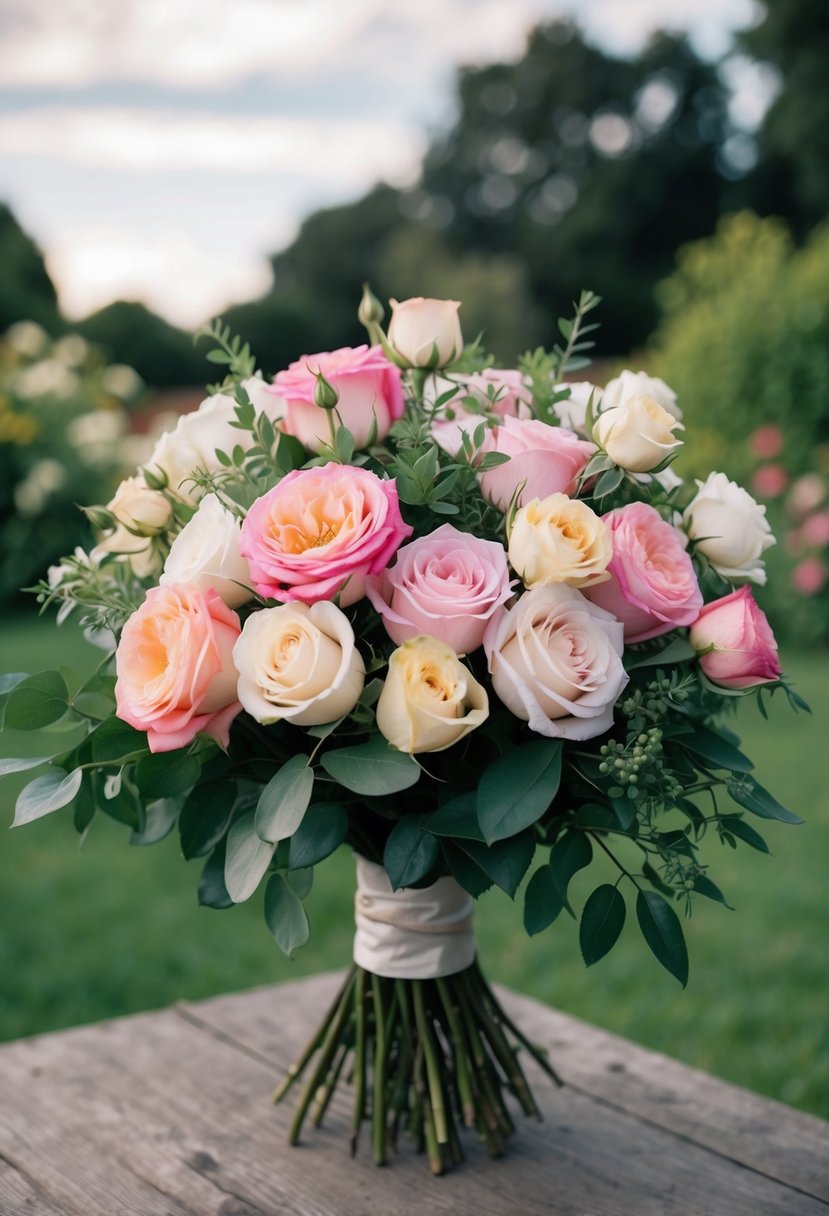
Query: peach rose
{"x": 175, "y": 667}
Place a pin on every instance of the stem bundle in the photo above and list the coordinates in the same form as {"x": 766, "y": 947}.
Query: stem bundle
{"x": 428, "y": 1055}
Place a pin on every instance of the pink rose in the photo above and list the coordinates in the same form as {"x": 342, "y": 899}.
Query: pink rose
{"x": 497, "y": 391}
{"x": 652, "y": 587}
{"x": 320, "y": 528}
{"x": 175, "y": 667}
{"x": 555, "y": 661}
{"x": 548, "y": 459}
{"x": 447, "y": 585}
{"x": 370, "y": 395}
{"x": 745, "y": 652}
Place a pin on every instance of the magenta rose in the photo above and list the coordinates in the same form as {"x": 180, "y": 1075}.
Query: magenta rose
{"x": 447, "y": 585}
{"x": 652, "y": 587}
{"x": 175, "y": 669}
{"x": 543, "y": 459}
{"x": 745, "y": 652}
{"x": 320, "y": 529}
{"x": 370, "y": 395}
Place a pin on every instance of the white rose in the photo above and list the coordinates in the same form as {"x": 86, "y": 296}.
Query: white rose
{"x": 425, "y": 333}
{"x": 637, "y": 435}
{"x": 729, "y": 528}
{"x": 206, "y": 551}
{"x": 572, "y": 411}
{"x": 430, "y": 700}
{"x": 559, "y": 540}
{"x": 138, "y": 508}
{"x": 627, "y": 384}
{"x": 264, "y": 399}
{"x": 298, "y": 662}
{"x": 555, "y": 662}
{"x": 139, "y": 551}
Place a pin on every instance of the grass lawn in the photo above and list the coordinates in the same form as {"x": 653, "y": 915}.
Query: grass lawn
{"x": 108, "y": 929}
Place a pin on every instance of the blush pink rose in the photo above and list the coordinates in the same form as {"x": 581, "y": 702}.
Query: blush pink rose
{"x": 652, "y": 587}
{"x": 175, "y": 669}
{"x": 745, "y": 652}
{"x": 447, "y": 585}
{"x": 319, "y": 529}
{"x": 495, "y": 391}
{"x": 546, "y": 459}
{"x": 370, "y": 395}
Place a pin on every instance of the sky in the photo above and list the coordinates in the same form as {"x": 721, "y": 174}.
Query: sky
{"x": 161, "y": 149}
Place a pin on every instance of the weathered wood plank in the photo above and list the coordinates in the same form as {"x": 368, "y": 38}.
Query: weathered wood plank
{"x": 766, "y": 1136}
{"x": 18, "y": 1197}
{"x": 167, "y": 1114}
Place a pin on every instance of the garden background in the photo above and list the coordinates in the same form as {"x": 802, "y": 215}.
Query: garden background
{"x": 700, "y": 217}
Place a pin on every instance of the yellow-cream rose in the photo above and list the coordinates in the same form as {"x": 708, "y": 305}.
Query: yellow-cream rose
{"x": 425, "y": 333}
{"x": 298, "y": 663}
{"x": 638, "y": 434}
{"x": 140, "y": 509}
{"x": 430, "y": 700}
{"x": 559, "y": 540}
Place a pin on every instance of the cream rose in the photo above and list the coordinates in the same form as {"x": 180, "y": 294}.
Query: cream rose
{"x": 627, "y": 384}
{"x": 729, "y": 528}
{"x": 140, "y": 509}
{"x": 559, "y": 540}
{"x": 206, "y": 552}
{"x": 298, "y": 663}
{"x": 430, "y": 700}
{"x": 572, "y": 411}
{"x": 555, "y": 661}
{"x": 638, "y": 434}
{"x": 425, "y": 333}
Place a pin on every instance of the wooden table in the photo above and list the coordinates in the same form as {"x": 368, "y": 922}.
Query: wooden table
{"x": 168, "y": 1113}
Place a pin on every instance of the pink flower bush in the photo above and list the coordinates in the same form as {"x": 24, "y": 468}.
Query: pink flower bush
{"x": 652, "y": 587}
{"x": 745, "y": 652}
{"x": 810, "y": 576}
{"x": 447, "y": 585}
{"x": 320, "y": 529}
{"x": 548, "y": 459}
{"x": 175, "y": 669}
{"x": 370, "y": 393}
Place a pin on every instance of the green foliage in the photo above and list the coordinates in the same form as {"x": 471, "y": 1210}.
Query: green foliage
{"x": 26, "y": 291}
{"x": 130, "y": 333}
{"x": 518, "y": 788}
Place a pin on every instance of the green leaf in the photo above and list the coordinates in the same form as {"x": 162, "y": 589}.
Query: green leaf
{"x": 410, "y": 852}
{"x": 745, "y": 832}
{"x": 662, "y": 931}
{"x": 285, "y": 916}
{"x": 571, "y": 853}
{"x": 323, "y": 829}
{"x": 704, "y": 886}
{"x": 505, "y": 862}
{"x": 609, "y": 481}
{"x": 205, "y": 817}
{"x": 165, "y": 774}
{"x": 457, "y": 817}
{"x": 23, "y": 764}
{"x": 602, "y": 920}
{"x": 301, "y": 881}
{"x": 594, "y": 815}
{"x": 715, "y": 750}
{"x": 541, "y": 901}
{"x": 36, "y": 702}
{"x": 49, "y": 792}
{"x": 517, "y": 788}
{"x": 678, "y": 651}
{"x": 159, "y": 820}
{"x": 246, "y": 859}
{"x": 372, "y": 769}
{"x": 116, "y": 742}
{"x": 466, "y": 871}
{"x": 212, "y": 890}
{"x": 760, "y": 802}
{"x": 284, "y": 800}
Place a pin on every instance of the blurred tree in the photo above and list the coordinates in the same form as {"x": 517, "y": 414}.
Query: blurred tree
{"x": 26, "y": 291}
{"x": 130, "y": 333}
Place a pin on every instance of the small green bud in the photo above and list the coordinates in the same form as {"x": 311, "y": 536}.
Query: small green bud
{"x": 100, "y": 518}
{"x": 156, "y": 478}
{"x": 325, "y": 395}
{"x": 371, "y": 311}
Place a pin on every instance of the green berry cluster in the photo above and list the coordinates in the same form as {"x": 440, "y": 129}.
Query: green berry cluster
{"x": 626, "y": 761}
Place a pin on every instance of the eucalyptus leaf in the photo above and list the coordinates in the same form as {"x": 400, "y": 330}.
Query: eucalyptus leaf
{"x": 159, "y": 820}
{"x": 284, "y": 800}
{"x": 165, "y": 774}
{"x": 372, "y": 769}
{"x": 37, "y": 701}
{"x": 247, "y": 859}
{"x": 323, "y": 829}
{"x": 212, "y": 890}
{"x": 285, "y": 916}
{"x": 206, "y": 816}
{"x": 22, "y": 764}
{"x": 49, "y": 792}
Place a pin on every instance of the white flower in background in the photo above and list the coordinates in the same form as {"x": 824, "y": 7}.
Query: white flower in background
{"x": 298, "y": 662}
{"x": 628, "y": 384}
{"x": 43, "y": 479}
{"x": 425, "y": 333}
{"x": 572, "y": 411}
{"x": 729, "y": 528}
{"x": 430, "y": 700}
{"x": 48, "y": 378}
{"x": 71, "y": 350}
{"x": 206, "y": 551}
{"x": 27, "y": 338}
{"x": 122, "y": 381}
{"x": 95, "y": 434}
{"x": 638, "y": 434}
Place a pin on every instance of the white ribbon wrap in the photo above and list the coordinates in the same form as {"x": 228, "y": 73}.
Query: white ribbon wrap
{"x": 411, "y": 934}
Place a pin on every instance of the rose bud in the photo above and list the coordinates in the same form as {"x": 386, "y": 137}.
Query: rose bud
{"x": 425, "y": 333}
{"x": 430, "y": 700}
{"x": 744, "y": 651}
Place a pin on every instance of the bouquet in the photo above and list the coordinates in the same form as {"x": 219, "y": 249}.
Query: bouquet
{"x": 465, "y": 620}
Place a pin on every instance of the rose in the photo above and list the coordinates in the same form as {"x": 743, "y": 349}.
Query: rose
{"x": 369, "y": 388}
{"x": 559, "y": 540}
{"x": 628, "y": 384}
{"x": 447, "y": 585}
{"x": 729, "y": 528}
{"x": 744, "y": 650}
{"x": 425, "y": 333}
{"x": 652, "y": 587}
{"x": 543, "y": 460}
{"x": 320, "y": 529}
{"x": 206, "y": 552}
{"x": 430, "y": 700}
{"x": 140, "y": 509}
{"x": 571, "y": 411}
{"x": 493, "y": 393}
{"x": 298, "y": 663}
{"x": 175, "y": 669}
{"x": 555, "y": 662}
{"x": 638, "y": 434}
